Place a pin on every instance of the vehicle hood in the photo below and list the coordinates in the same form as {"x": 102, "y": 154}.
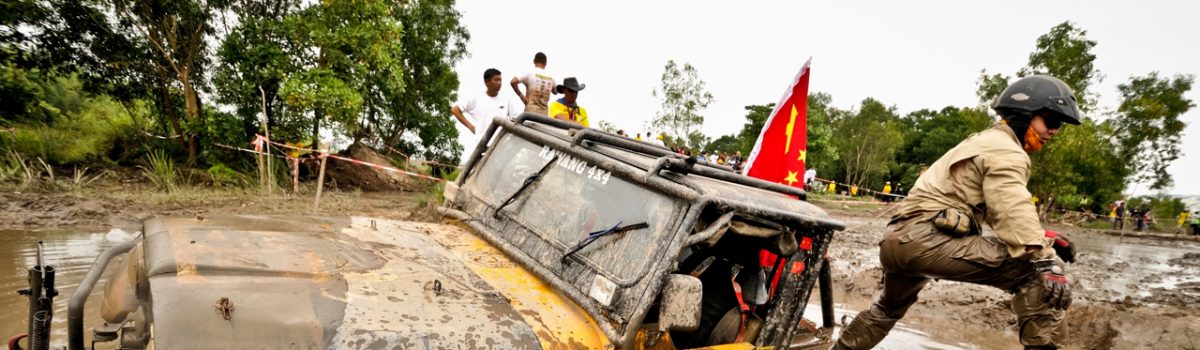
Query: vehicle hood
{"x": 346, "y": 283}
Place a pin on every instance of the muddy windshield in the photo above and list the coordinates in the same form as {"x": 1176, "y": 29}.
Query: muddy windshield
{"x": 570, "y": 200}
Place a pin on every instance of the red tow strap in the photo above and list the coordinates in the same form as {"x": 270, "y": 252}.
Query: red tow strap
{"x": 745, "y": 309}
{"x": 14, "y": 343}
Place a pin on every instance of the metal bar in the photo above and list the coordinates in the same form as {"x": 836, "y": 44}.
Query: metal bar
{"x": 541, "y": 119}
{"x": 710, "y": 230}
{"x": 79, "y": 298}
{"x": 826, "y": 283}
{"x": 714, "y": 171}
{"x": 619, "y": 169}
{"x": 477, "y": 152}
{"x": 782, "y": 215}
{"x": 820, "y": 245}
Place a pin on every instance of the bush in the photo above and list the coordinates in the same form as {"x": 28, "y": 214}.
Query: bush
{"x": 160, "y": 169}
{"x": 84, "y": 136}
{"x": 223, "y": 175}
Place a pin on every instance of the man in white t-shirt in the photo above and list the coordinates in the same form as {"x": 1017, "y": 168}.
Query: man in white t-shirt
{"x": 539, "y": 85}
{"x": 476, "y": 112}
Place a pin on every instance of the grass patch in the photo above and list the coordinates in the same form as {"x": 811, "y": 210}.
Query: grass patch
{"x": 160, "y": 170}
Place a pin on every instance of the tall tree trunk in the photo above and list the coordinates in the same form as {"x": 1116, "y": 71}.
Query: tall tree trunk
{"x": 191, "y": 105}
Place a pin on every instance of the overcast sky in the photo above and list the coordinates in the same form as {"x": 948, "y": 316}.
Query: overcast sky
{"x": 909, "y": 55}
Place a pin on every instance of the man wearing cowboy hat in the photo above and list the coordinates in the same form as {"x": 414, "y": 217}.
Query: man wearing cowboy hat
{"x": 566, "y": 107}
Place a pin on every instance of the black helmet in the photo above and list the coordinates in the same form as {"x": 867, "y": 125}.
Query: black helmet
{"x": 1036, "y": 93}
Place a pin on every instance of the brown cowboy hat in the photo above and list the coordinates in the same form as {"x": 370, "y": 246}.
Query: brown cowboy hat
{"x": 570, "y": 83}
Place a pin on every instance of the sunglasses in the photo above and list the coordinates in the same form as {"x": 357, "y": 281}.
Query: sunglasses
{"x": 1052, "y": 122}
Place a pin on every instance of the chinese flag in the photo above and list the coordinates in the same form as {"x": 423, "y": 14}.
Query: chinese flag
{"x": 781, "y": 148}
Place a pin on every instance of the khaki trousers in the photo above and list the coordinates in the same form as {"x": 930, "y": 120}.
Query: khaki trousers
{"x": 914, "y": 252}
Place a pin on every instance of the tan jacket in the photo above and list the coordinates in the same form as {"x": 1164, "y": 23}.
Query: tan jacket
{"x": 985, "y": 175}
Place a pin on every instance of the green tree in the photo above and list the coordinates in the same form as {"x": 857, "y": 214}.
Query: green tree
{"x": 176, "y": 33}
{"x": 929, "y": 134}
{"x": 756, "y": 119}
{"x": 1148, "y": 127}
{"x": 607, "y": 126}
{"x": 683, "y": 98}
{"x": 1083, "y": 161}
{"x": 822, "y": 152}
{"x": 727, "y": 143}
{"x": 254, "y": 59}
{"x": 1065, "y": 53}
{"x": 349, "y": 51}
{"x": 416, "y": 119}
{"x": 870, "y": 139}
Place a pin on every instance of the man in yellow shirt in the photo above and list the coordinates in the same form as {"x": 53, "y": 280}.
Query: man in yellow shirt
{"x": 566, "y": 108}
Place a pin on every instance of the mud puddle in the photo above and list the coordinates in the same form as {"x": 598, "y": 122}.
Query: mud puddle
{"x": 72, "y": 254}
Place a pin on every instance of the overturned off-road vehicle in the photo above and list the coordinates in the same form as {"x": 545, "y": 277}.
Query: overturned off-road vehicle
{"x": 555, "y": 237}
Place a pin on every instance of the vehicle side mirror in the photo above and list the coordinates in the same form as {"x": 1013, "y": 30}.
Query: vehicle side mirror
{"x": 681, "y": 302}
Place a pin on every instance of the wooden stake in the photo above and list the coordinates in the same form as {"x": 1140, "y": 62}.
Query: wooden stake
{"x": 320, "y": 178}
{"x": 295, "y": 175}
{"x": 267, "y": 134}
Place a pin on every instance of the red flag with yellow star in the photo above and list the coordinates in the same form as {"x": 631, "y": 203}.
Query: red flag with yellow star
{"x": 781, "y": 149}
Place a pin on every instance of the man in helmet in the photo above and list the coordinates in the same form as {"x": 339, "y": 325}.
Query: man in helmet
{"x": 935, "y": 231}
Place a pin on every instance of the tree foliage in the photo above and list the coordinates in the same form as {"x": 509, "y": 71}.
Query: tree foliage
{"x": 1081, "y": 161}
{"x": 683, "y": 99}
{"x": 417, "y": 119}
{"x": 1065, "y": 53}
{"x": 1148, "y": 127}
{"x": 822, "y": 152}
{"x": 872, "y": 135}
{"x": 931, "y": 133}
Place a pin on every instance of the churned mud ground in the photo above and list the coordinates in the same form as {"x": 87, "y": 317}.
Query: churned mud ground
{"x": 1130, "y": 292}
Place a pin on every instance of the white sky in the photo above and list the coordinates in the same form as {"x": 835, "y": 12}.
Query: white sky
{"x": 913, "y": 57}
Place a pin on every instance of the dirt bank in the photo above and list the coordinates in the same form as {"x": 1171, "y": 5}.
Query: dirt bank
{"x": 126, "y": 205}
{"x": 1130, "y": 292}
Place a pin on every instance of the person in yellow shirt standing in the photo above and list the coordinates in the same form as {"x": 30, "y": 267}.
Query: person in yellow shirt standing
{"x": 1183, "y": 218}
{"x": 832, "y": 188}
{"x": 887, "y": 191}
{"x": 567, "y": 108}
{"x": 854, "y": 190}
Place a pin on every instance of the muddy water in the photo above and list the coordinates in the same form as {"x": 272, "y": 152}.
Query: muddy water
{"x": 1138, "y": 267}
{"x": 1130, "y": 292}
{"x": 72, "y": 254}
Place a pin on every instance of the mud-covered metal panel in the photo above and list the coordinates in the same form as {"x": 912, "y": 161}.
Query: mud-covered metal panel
{"x": 233, "y": 283}
{"x": 558, "y": 322}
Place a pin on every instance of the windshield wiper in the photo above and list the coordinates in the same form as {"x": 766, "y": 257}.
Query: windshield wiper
{"x": 524, "y": 185}
{"x": 591, "y": 237}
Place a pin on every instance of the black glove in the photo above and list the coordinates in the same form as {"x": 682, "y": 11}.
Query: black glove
{"x": 1057, "y": 291}
{"x": 1062, "y": 247}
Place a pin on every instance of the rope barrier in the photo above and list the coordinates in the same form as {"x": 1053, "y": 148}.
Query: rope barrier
{"x": 259, "y": 140}
{"x": 255, "y": 152}
{"x": 382, "y": 167}
{"x": 420, "y": 161}
{"x": 160, "y": 137}
{"x": 867, "y": 190}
